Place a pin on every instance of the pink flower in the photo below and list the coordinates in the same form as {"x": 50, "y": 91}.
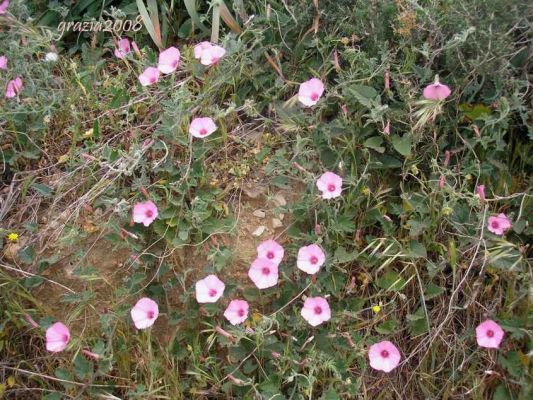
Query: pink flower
{"x": 236, "y": 312}
{"x": 271, "y": 250}
{"x": 3, "y": 62}
{"x": 436, "y": 91}
{"x": 264, "y": 273}
{"x": 481, "y": 192}
{"x": 489, "y": 334}
{"x": 202, "y": 127}
{"x": 169, "y": 60}
{"x": 200, "y": 48}
{"x": 442, "y": 182}
{"x": 310, "y": 92}
{"x": 123, "y": 48}
{"x": 3, "y": 7}
{"x": 384, "y": 356}
{"x": 213, "y": 55}
{"x": 149, "y": 76}
{"x": 145, "y": 213}
{"x": 136, "y": 49}
{"x": 144, "y": 313}
{"x": 310, "y": 258}
{"x": 57, "y": 337}
{"x": 209, "y": 289}
{"x": 316, "y": 310}
{"x": 330, "y": 185}
{"x": 386, "y": 129}
{"x": 208, "y": 53}
{"x": 14, "y": 87}
{"x": 498, "y": 224}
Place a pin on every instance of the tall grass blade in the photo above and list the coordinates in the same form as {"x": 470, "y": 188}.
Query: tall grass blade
{"x": 228, "y": 18}
{"x": 190, "y": 5}
{"x": 155, "y": 35}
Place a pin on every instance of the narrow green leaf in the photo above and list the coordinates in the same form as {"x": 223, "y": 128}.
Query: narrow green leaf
{"x": 190, "y": 5}
{"x": 148, "y": 24}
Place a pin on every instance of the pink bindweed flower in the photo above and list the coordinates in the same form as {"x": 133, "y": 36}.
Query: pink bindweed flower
{"x": 481, "y": 192}
{"x": 384, "y": 356}
{"x": 212, "y": 56}
{"x": 3, "y": 62}
{"x": 236, "y": 312}
{"x": 310, "y": 258}
{"x": 387, "y": 80}
{"x": 14, "y": 87}
{"x": 271, "y": 250}
{"x": 169, "y": 60}
{"x": 145, "y": 212}
{"x": 200, "y": 48}
{"x": 208, "y": 54}
{"x": 144, "y": 313}
{"x": 209, "y": 289}
{"x": 136, "y": 49}
{"x": 386, "y": 128}
{"x": 91, "y": 355}
{"x": 330, "y": 185}
{"x": 310, "y": 92}
{"x": 316, "y": 310}
{"x": 3, "y": 7}
{"x": 57, "y": 337}
{"x": 436, "y": 91}
{"x": 202, "y": 127}
{"x": 149, "y": 76}
{"x": 489, "y": 334}
{"x": 264, "y": 273}
{"x": 31, "y": 321}
{"x": 123, "y": 48}
{"x": 442, "y": 182}
{"x": 498, "y": 224}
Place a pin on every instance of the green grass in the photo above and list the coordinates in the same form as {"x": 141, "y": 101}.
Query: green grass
{"x": 84, "y": 140}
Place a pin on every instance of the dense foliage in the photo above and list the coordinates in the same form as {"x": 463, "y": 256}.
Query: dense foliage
{"x": 409, "y": 257}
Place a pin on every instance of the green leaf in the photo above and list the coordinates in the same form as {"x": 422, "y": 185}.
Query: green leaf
{"x": 511, "y": 361}
{"x": 402, "y": 144}
{"x": 418, "y": 323}
{"x": 364, "y": 94}
{"x": 32, "y": 281}
{"x": 43, "y": 190}
{"x": 83, "y": 367}
{"x": 387, "y": 327}
{"x": 26, "y": 255}
{"x": 374, "y": 143}
{"x": 65, "y": 375}
{"x": 432, "y": 291}
{"x": 330, "y": 394}
{"x": 342, "y": 256}
{"x": 391, "y": 281}
{"x": 418, "y": 250}
{"x": 501, "y": 393}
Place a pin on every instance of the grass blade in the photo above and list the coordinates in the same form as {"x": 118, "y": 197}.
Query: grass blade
{"x": 155, "y": 35}
{"x": 190, "y": 5}
{"x": 215, "y": 25}
{"x": 228, "y": 18}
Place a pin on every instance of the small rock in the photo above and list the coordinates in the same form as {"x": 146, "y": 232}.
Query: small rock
{"x": 276, "y": 223}
{"x": 281, "y": 216}
{"x": 259, "y": 231}
{"x": 253, "y": 190}
{"x": 259, "y": 214}
{"x": 279, "y": 200}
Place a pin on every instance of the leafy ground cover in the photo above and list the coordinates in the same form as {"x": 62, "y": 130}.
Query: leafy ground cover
{"x": 326, "y": 133}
